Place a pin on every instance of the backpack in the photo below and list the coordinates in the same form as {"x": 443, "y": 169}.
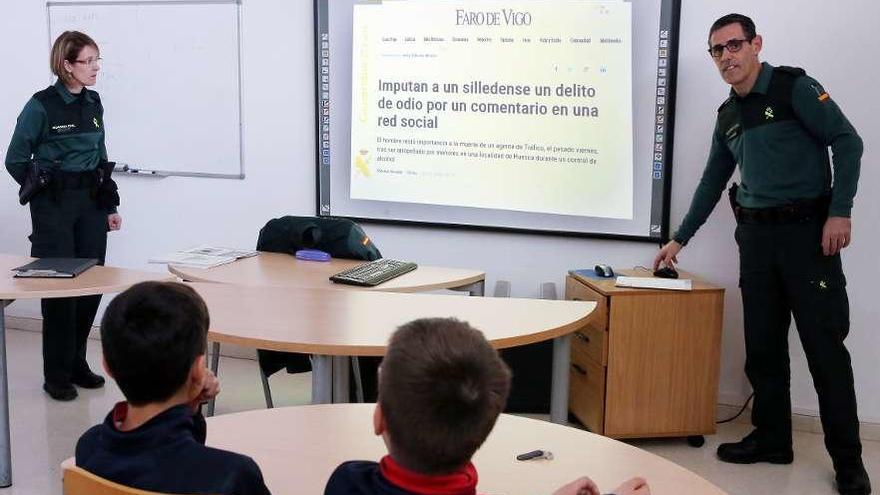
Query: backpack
{"x": 340, "y": 237}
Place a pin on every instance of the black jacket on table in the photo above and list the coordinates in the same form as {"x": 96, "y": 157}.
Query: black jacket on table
{"x": 389, "y": 478}
{"x": 166, "y": 454}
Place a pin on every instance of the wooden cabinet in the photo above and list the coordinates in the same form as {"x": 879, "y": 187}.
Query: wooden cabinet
{"x": 646, "y": 365}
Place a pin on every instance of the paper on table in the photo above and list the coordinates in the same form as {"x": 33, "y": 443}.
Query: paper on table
{"x": 209, "y": 250}
{"x": 654, "y": 283}
{"x": 193, "y": 260}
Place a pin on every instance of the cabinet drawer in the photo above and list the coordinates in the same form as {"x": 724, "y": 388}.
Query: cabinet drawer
{"x": 577, "y": 291}
{"x": 589, "y": 344}
{"x": 587, "y": 395}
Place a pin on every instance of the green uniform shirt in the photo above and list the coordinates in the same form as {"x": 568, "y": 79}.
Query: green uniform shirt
{"x": 60, "y": 130}
{"x": 782, "y": 151}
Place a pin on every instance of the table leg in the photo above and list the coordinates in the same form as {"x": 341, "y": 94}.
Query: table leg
{"x": 474, "y": 289}
{"x": 340, "y": 379}
{"x": 215, "y": 365}
{"x": 358, "y": 383}
{"x": 322, "y": 379}
{"x": 5, "y": 443}
{"x": 559, "y": 385}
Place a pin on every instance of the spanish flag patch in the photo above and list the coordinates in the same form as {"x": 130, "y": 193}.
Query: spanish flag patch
{"x": 824, "y": 97}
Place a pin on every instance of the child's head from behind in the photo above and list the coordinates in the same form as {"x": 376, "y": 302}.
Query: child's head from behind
{"x": 441, "y": 388}
{"x": 153, "y": 335}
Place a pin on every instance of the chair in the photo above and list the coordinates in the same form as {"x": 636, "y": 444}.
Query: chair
{"x": 339, "y": 237}
{"x": 502, "y": 289}
{"x": 78, "y": 481}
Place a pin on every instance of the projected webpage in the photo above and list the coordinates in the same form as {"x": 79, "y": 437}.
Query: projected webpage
{"x": 520, "y": 106}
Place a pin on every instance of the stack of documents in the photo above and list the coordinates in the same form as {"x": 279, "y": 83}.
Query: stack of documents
{"x": 204, "y": 256}
{"x": 222, "y": 251}
{"x": 654, "y": 283}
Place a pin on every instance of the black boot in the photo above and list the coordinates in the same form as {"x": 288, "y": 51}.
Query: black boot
{"x": 750, "y": 450}
{"x": 86, "y": 379}
{"x": 852, "y": 479}
{"x": 60, "y": 391}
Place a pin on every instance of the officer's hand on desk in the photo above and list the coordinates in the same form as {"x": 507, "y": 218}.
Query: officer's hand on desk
{"x": 668, "y": 255}
{"x": 836, "y": 235}
{"x": 114, "y": 221}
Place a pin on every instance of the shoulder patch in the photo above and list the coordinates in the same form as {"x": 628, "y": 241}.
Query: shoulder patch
{"x": 821, "y": 94}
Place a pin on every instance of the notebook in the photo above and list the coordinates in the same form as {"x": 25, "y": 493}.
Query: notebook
{"x": 54, "y": 267}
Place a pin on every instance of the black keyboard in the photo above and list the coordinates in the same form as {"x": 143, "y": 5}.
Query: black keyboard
{"x": 374, "y": 272}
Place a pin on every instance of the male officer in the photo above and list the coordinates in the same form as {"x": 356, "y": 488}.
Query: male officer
{"x": 791, "y": 226}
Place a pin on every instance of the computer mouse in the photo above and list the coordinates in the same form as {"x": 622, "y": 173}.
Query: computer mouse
{"x": 603, "y": 271}
{"x": 666, "y": 272}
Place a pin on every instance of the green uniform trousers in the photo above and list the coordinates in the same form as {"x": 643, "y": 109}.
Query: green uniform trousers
{"x": 783, "y": 272}
{"x": 67, "y": 222}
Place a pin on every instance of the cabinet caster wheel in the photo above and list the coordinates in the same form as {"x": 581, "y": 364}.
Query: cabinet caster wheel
{"x": 696, "y": 440}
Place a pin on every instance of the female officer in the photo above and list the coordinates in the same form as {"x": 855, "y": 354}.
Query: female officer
{"x": 61, "y": 130}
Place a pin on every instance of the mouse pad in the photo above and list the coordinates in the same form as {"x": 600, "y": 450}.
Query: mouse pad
{"x": 590, "y": 273}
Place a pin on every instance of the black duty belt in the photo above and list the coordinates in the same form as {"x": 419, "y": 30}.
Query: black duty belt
{"x": 798, "y": 212}
{"x": 74, "y": 180}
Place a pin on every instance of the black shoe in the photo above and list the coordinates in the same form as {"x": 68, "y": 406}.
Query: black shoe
{"x": 87, "y": 379}
{"x": 60, "y": 391}
{"x": 853, "y": 480}
{"x": 749, "y": 451}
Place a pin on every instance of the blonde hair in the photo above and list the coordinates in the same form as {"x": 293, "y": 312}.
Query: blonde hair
{"x": 67, "y": 47}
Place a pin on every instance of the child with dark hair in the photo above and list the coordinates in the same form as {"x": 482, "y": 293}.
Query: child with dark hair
{"x": 441, "y": 389}
{"x": 154, "y": 337}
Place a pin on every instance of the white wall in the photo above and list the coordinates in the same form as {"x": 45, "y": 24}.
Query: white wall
{"x": 835, "y": 43}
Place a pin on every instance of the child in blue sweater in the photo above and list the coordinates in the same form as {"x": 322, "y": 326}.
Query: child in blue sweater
{"x": 154, "y": 337}
{"x": 441, "y": 388}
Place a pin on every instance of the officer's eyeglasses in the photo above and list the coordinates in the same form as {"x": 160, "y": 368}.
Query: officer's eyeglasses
{"x": 91, "y": 62}
{"x": 732, "y": 46}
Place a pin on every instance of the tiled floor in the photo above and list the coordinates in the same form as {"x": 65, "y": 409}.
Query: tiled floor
{"x": 44, "y": 432}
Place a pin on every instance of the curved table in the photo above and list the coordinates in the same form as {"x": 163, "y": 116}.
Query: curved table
{"x": 284, "y": 270}
{"x": 297, "y": 448}
{"x": 334, "y": 323}
{"x": 95, "y": 280}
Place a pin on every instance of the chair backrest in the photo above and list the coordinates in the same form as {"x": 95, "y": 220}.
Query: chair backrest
{"x": 78, "y": 481}
{"x": 547, "y": 290}
{"x": 502, "y": 289}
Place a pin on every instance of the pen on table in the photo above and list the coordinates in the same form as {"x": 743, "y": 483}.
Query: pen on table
{"x": 535, "y": 454}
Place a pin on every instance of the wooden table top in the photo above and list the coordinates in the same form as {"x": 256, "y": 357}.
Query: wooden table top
{"x": 297, "y": 448}
{"x": 606, "y": 286}
{"x": 284, "y": 270}
{"x": 95, "y": 280}
{"x": 358, "y": 323}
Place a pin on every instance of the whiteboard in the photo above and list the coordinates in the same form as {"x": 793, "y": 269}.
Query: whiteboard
{"x": 170, "y": 81}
